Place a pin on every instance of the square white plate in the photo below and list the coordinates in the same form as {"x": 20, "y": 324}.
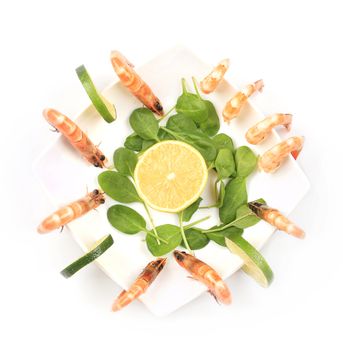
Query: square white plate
{"x": 65, "y": 175}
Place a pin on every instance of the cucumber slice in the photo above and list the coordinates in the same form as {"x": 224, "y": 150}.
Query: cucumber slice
{"x": 105, "y": 108}
{"x": 98, "y": 249}
{"x": 254, "y": 263}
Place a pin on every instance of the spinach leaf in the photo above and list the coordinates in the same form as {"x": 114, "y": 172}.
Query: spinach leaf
{"x": 246, "y": 161}
{"x": 118, "y": 187}
{"x": 126, "y": 219}
{"x": 224, "y": 163}
{"x": 164, "y": 136}
{"x": 212, "y": 124}
{"x": 221, "y": 194}
{"x": 147, "y": 144}
{"x": 144, "y": 123}
{"x": 223, "y": 141}
{"x": 169, "y": 233}
{"x": 125, "y": 161}
{"x": 133, "y": 142}
{"x": 189, "y": 211}
{"x": 245, "y": 217}
{"x": 219, "y": 236}
{"x": 235, "y": 196}
{"x": 198, "y": 140}
{"x": 180, "y": 122}
{"x": 191, "y": 105}
{"x": 196, "y": 239}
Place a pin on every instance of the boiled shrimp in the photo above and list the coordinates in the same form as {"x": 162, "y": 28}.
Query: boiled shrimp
{"x": 262, "y": 129}
{"x": 211, "y": 81}
{"x": 234, "y": 106}
{"x": 76, "y": 137}
{"x": 140, "y": 285}
{"x": 276, "y": 219}
{"x": 204, "y": 274}
{"x": 272, "y": 159}
{"x": 72, "y": 211}
{"x": 135, "y": 83}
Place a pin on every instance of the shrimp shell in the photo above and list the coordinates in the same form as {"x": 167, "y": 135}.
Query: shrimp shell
{"x": 272, "y": 159}
{"x": 76, "y": 137}
{"x": 140, "y": 285}
{"x": 257, "y": 133}
{"x": 211, "y": 81}
{"x": 276, "y": 219}
{"x": 134, "y": 83}
{"x": 72, "y": 211}
{"x": 234, "y": 106}
{"x": 204, "y": 274}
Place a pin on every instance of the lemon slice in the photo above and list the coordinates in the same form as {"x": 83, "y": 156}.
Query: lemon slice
{"x": 254, "y": 263}
{"x": 170, "y": 176}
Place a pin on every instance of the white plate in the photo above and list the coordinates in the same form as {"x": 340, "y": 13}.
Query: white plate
{"x": 65, "y": 176}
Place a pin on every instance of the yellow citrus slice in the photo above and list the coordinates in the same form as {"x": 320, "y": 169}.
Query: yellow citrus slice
{"x": 170, "y": 176}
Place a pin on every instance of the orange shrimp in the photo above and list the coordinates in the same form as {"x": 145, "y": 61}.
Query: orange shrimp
{"x": 276, "y": 219}
{"x": 77, "y": 138}
{"x": 272, "y": 159}
{"x": 211, "y": 81}
{"x": 140, "y": 285}
{"x": 135, "y": 83}
{"x": 262, "y": 129}
{"x": 234, "y": 106}
{"x": 72, "y": 211}
{"x": 204, "y": 274}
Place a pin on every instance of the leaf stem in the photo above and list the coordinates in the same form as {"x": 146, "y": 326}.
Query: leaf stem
{"x": 194, "y": 223}
{"x": 215, "y": 205}
{"x": 153, "y": 234}
{"x": 164, "y": 116}
{"x": 195, "y": 87}
{"x": 183, "y": 233}
{"x": 151, "y": 222}
{"x": 184, "y": 88}
{"x": 227, "y": 225}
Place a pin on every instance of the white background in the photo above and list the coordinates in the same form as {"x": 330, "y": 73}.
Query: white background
{"x": 294, "y": 46}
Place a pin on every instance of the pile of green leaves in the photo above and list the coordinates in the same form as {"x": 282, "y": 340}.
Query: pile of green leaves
{"x": 195, "y": 122}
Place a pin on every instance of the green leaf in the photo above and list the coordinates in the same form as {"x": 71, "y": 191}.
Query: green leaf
{"x": 126, "y": 219}
{"x": 245, "y": 160}
{"x": 198, "y": 140}
{"x": 245, "y": 217}
{"x": 125, "y": 161}
{"x": 169, "y": 233}
{"x": 221, "y": 194}
{"x": 223, "y": 141}
{"x": 212, "y": 124}
{"x": 147, "y": 144}
{"x": 219, "y": 236}
{"x": 189, "y": 211}
{"x": 235, "y": 196}
{"x": 191, "y": 105}
{"x": 224, "y": 163}
{"x": 118, "y": 187}
{"x": 164, "y": 136}
{"x": 133, "y": 142}
{"x": 144, "y": 123}
{"x": 196, "y": 239}
{"x": 180, "y": 122}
